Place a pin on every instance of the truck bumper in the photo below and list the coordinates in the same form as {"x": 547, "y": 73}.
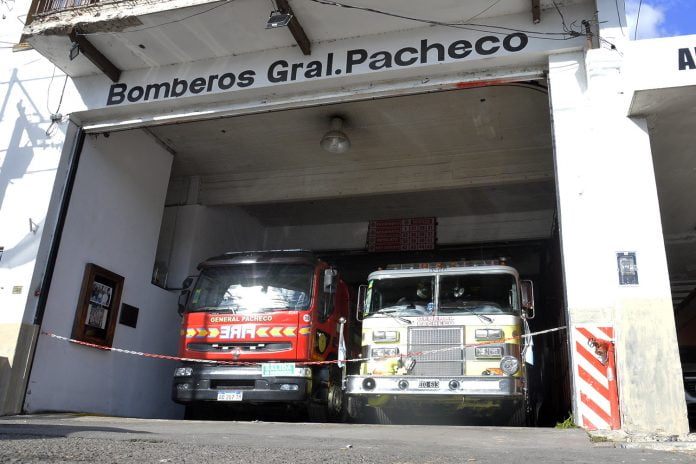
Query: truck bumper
{"x": 409, "y": 386}
{"x": 241, "y": 385}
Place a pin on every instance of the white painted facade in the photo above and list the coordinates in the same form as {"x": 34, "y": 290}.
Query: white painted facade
{"x": 607, "y": 203}
{"x": 30, "y": 162}
{"x": 600, "y": 154}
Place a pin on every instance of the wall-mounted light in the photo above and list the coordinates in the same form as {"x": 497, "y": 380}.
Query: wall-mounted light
{"x": 278, "y": 19}
{"x": 74, "y": 51}
{"x": 335, "y": 140}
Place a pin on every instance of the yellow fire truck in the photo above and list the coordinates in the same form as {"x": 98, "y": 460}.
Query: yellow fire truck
{"x": 447, "y": 334}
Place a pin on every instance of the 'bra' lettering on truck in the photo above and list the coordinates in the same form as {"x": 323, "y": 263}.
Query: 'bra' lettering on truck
{"x": 239, "y": 332}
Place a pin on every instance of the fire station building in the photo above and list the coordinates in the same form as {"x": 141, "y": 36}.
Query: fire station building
{"x": 143, "y": 137}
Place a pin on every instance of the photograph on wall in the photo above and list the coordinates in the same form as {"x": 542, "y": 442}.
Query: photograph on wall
{"x": 101, "y": 294}
{"x": 96, "y": 316}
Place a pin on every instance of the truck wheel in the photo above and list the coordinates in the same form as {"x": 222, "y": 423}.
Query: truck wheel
{"x": 336, "y": 404}
{"x": 383, "y": 417}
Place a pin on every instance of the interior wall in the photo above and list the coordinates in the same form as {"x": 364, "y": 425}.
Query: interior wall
{"x": 450, "y": 231}
{"x": 192, "y": 233}
{"x": 113, "y": 221}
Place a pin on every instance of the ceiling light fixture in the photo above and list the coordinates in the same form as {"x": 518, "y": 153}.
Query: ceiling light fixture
{"x": 335, "y": 140}
{"x": 278, "y": 19}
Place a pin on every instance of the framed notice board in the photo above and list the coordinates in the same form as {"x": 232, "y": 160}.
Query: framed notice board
{"x": 97, "y": 307}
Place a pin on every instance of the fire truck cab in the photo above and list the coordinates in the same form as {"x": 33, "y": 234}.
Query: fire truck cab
{"x": 444, "y": 333}
{"x": 255, "y": 327}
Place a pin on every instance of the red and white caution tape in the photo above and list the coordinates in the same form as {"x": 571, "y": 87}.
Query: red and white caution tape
{"x": 305, "y": 363}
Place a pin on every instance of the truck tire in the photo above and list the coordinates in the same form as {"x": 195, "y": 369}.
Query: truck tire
{"x": 336, "y": 403}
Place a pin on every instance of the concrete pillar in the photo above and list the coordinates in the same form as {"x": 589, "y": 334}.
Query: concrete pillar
{"x": 607, "y": 202}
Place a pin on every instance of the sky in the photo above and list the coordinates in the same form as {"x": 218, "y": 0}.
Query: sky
{"x": 661, "y": 18}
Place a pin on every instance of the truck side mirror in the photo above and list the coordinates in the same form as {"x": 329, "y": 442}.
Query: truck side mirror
{"x": 330, "y": 280}
{"x": 187, "y": 282}
{"x": 183, "y": 297}
{"x": 360, "y": 307}
{"x": 527, "y": 288}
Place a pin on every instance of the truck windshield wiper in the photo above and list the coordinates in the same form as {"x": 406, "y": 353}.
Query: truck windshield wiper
{"x": 389, "y": 312}
{"x": 211, "y": 309}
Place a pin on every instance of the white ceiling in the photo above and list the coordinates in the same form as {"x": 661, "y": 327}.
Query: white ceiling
{"x": 483, "y": 144}
{"x": 147, "y": 34}
{"x": 440, "y": 124}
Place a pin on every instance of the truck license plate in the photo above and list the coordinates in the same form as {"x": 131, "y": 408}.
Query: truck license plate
{"x": 229, "y": 396}
{"x": 428, "y": 384}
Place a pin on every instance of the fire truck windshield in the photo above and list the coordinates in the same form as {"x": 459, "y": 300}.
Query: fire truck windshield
{"x": 458, "y": 294}
{"x": 253, "y": 288}
{"x": 478, "y": 293}
{"x": 403, "y": 296}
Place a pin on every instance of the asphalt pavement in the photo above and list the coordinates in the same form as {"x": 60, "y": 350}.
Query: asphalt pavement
{"x": 75, "y": 438}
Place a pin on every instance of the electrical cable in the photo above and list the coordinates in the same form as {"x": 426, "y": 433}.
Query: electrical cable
{"x": 618, "y": 14}
{"x": 457, "y": 25}
{"x": 635, "y": 32}
{"x": 48, "y": 91}
{"x": 530, "y": 86}
{"x": 565, "y": 28}
{"x": 486, "y": 28}
{"x": 483, "y": 11}
{"x": 54, "y": 115}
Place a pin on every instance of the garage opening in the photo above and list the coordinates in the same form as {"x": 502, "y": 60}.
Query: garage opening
{"x": 478, "y": 160}
{"x": 672, "y": 144}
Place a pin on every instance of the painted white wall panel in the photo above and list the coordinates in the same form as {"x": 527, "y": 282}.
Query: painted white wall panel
{"x": 194, "y": 233}
{"x": 113, "y": 221}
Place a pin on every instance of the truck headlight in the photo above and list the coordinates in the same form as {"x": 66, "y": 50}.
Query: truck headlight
{"x": 489, "y": 334}
{"x": 510, "y": 365}
{"x": 491, "y": 352}
{"x": 183, "y": 372}
{"x": 385, "y": 336}
{"x": 384, "y": 352}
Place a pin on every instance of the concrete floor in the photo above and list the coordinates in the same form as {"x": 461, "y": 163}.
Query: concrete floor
{"x": 74, "y": 438}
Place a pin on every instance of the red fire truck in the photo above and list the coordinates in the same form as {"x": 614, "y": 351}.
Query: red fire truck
{"x": 262, "y": 318}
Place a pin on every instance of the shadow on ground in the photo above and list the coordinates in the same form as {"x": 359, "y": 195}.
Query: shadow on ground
{"x": 41, "y": 431}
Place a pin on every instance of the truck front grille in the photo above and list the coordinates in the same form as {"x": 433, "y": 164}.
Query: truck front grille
{"x": 243, "y": 347}
{"x": 449, "y": 361}
{"x": 239, "y": 384}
